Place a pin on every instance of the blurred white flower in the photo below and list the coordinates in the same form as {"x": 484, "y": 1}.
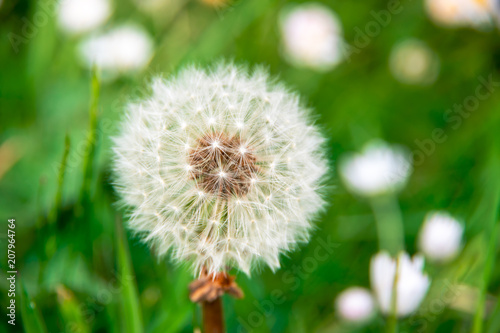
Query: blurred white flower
{"x": 312, "y": 36}
{"x": 355, "y": 304}
{"x": 123, "y": 49}
{"x": 413, "y": 62}
{"x": 378, "y": 169}
{"x": 221, "y": 168}
{"x": 411, "y": 285}
{"x": 461, "y": 12}
{"x": 441, "y": 236}
{"x": 78, "y": 16}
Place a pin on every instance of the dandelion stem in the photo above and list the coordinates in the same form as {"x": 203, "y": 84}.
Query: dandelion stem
{"x": 208, "y": 290}
{"x": 389, "y": 224}
{"x": 213, "y": 316}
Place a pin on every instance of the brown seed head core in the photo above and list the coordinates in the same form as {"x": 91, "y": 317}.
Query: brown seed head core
{"x": 223, "y": 165}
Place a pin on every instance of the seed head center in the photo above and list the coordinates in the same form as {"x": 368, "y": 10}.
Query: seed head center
{"x": 222, "y": 165}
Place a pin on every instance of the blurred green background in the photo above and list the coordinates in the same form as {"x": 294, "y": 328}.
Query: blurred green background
{"x": 55, "y": 170}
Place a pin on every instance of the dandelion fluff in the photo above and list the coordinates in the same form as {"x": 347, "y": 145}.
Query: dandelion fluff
{"x": 220, "y": 168}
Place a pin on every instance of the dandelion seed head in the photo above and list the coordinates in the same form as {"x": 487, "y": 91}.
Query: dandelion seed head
{"x": 224, "y": 184}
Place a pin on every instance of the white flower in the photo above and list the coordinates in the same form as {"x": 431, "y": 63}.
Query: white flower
{"x": 378, "y": 169}
{"x": 441, "y": 236}
{"x": 221, "y": 168}
{"x": 78, "y": 16}
{"x": 413, "y": 62}
{"x": 312, "y": 36}
{"x": 461, "y": 12}
{"x": 126, "y": 48}
{"x": 411, "y": 284}
{"x": 355, "y": 304}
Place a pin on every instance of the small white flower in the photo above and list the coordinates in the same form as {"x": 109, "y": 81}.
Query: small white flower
{"x": 255, "y": 166}
{"x": 378, "y": 169}
{"x": 78, "y": 16}
{"x": 413, "y": 62}
{"x": 441, "y": 236}
{"x": 411, "y": 284}
{"x": 456, "y": 13}
{"x": 312, "y": 36}
{"x": 355, "y": 304}
{"x": 126, "y": 48}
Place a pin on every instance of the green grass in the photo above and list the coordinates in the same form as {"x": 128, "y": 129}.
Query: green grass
{"x": 80, "y": 268}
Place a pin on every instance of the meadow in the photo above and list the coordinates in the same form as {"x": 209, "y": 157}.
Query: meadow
{"x": 80, "y": 269}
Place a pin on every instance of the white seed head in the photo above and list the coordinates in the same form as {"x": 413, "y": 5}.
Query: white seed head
{"x": 233, "y": 209}
{"x": 441, "y": 236}
{"x": 411, "y": 286}
{"x": 123, "y": 49}
{"x": 413, "y": 62}
{"x": 312, "y": 36}
{"x": 79, "y": 16}
{"x": 355, "y": 304}
{"x": 455, "y": 13}
{"x": 378, "y": 169}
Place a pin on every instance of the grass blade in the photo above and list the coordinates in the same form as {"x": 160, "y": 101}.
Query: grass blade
{"x": 71, "y": 311}
{"x": 91, "y": 135}
{"x": 492, "y": 196}
{"x": 31, "y": 316}
{"x": 131, "y": 311}
{"x": 60, "y": 182}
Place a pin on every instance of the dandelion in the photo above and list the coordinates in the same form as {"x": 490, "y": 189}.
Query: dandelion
{"x": 221, "y": 168}
{"x": 455, "y": 13}
{"x": 124, "y": 49}
{"x": 441, "y": 236}
{"x": 413, "y": 62}
{"x": 411, "y": 283}
{"x": 312, "y": 36}
{"x": 355, "y": 305}
{"x": 79, "y": 16}
{"x": 378, "y": 169}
